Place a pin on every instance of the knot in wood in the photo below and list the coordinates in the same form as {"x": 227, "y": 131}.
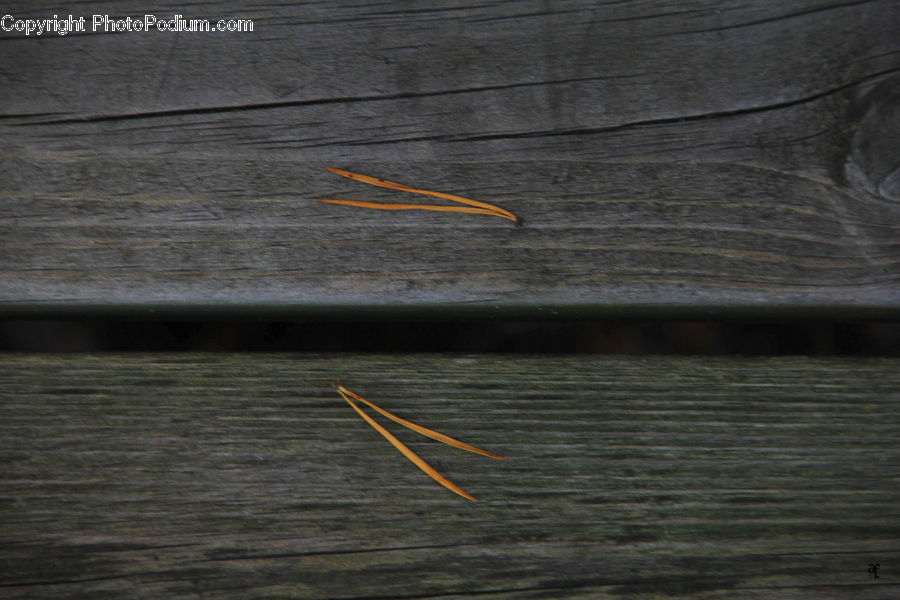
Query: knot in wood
{"x": 874, "y": 160}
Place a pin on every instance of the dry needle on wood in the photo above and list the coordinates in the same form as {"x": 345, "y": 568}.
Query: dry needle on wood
{"x": 472, "y": 206}
{"x": 412, "y": 456}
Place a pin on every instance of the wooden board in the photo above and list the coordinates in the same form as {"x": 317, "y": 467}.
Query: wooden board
{"x": 724, "y": 156}
{"x": 246, "y": 476}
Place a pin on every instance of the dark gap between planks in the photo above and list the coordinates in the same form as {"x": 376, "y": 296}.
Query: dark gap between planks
{"x": 603, "y": 336}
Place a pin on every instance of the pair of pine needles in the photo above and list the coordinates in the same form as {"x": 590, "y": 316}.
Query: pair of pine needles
{"x": 412, "y": 456}
{"x": 470, "y": 206}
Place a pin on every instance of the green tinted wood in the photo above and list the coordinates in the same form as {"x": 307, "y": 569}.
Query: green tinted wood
{"x": 247, "y": 476}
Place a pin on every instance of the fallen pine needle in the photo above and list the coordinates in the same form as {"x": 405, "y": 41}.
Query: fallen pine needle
{"x": 472, "y": 206}
{"x": 412, "y": 456}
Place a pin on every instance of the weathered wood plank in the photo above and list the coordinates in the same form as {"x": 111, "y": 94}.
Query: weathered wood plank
{"x": 245, "y": 476}
{"x": 724, "y": 155}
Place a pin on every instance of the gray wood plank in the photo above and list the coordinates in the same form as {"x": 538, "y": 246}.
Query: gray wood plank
{"x": 721, "y": 155}
{"x": 246, "y": 476}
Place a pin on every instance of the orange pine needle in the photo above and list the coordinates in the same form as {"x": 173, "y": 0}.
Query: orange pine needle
{"x": 409, "y": 454}
{"x": 480, "y": 207}
{"x": 397, "y": 206}
{"x": 416, "y": 460}
{"x": 406, "y": 188}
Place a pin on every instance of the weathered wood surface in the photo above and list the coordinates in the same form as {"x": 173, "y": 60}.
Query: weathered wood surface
{"x": 246, "y": 476}
{"x": 717, "y": 155}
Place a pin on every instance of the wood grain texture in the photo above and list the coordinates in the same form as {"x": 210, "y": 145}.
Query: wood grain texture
{"x": 718, "y": 155}
{"x": 246, "y": 476}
